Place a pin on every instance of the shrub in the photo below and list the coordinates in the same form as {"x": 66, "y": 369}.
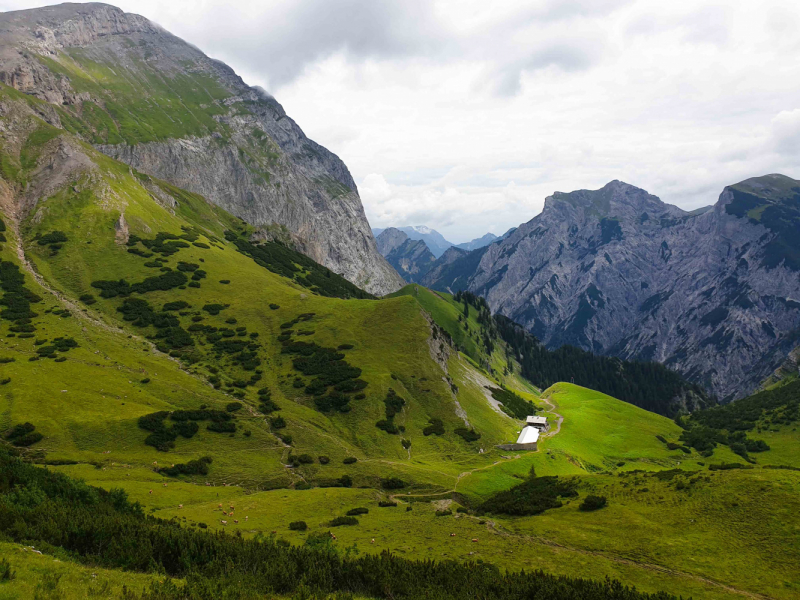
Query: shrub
{"x": 534, "y": 496}
{"x": 350, "y": 460}
{"x": 469, "y": 435}
{"x": 512, "y": 404}
{"x": 193, "y": 467}
{"x": 393, "y": 483}
{"x": 405, "y": 443}
{"x": 305, "y": 459}
{"x": 19, "y": 430}
{"x": 277, "y": 422}
{"x": 225, "y": 281}
{"x": 145, "y": 380}
{"x": 87, "y": 299}
{"x": 436, "y": 427}
{"x": 233, "y": 406}
{"x": 444, "y": 513}
{"x": 54, "y": 237}
{"x": 6, "y": 573}
{"x": 274, "y": 306}
{"x": 298, "y": 526}
{"x": 592, "y": 502}
{"x": 345, "y": 347}
{"x": 346, "y": 481}
{"x": 354, "y": 512}
{"x": 214, "y": 309}
{"x": 727, "y": 466}
{"x": 28, "y": 439}
{"x": 222, "y": 427}
{"x": 323, "y": 460}
{"x": 339, "y": 521}
{"x": 285, "y": 438}
{"x": 386, "y": 503}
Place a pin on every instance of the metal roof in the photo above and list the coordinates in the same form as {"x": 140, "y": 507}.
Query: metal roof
{"x": 533, "y": 420}
{"x": 528, "y": 435}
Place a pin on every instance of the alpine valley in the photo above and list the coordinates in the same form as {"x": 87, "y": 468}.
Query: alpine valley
{"x": 214, "y": 385}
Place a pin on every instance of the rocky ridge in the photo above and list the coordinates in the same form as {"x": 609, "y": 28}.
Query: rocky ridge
{"x": 145, "y": 97}
{"x": 714, "y": 294}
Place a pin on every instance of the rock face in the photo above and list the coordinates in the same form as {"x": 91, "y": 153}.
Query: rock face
{"x": 432, "y": 238}
{"x": 411, "y": 258}
{"x": 713, "y": 294}
{"x": 147, "y": 98}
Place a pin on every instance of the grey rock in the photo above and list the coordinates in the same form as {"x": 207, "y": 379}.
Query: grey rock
{"x": 410, "y": 258}
{"x": 713, "y": 294}
{"x": 242, "y": 153}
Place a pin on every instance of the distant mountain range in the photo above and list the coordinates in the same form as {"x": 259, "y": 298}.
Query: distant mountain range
{"x": 437, "y": 243}
{"x": 713, "y": 293}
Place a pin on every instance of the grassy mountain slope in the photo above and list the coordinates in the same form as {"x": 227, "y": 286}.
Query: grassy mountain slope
{"x": 63, "y": 205}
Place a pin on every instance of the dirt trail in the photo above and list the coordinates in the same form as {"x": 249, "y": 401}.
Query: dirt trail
{"x": 559, "y": 418}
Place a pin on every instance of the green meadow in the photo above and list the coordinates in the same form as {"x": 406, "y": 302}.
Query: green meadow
{"x": 671, "y": 522}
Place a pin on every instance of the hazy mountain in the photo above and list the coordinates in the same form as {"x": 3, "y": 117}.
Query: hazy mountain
{"x": 143, "y": 96}
{"x": 714, "y": 294}
{"x": 410, "y": 258}
{"x": 432, "y": 238}
{"x": 480, "y": 242}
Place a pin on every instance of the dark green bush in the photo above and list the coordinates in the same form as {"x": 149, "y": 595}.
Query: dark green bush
{"x": 193, "y": 467}
{"x": 277, "y": 422}
{"x": 444, "y": 513}
{"x": 339, "y": 521}
{"x": 592, "y": 502}
{"x": 54, "y": 237}
{"x": 435, "y": 427}
{"x": 469, "y": 435}
{"x": 393, "y": 483}
{"x": 354, "y": 512}
{"x": 233, "y": 406}
{"x": 298, "y": 526}
{"x": 350, "y": 460}
{"x": 222, "y": 427}
{"x": 534, "y": 496}
{"x": 387, "y": 503}
{"x": 323, "y": 460}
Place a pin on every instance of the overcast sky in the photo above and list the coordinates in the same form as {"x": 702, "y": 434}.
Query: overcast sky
{"x": 464, "y": 115}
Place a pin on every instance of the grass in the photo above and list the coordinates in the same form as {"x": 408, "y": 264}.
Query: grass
{"x": 87, "y": 408}
{"x": 44, "y": 576}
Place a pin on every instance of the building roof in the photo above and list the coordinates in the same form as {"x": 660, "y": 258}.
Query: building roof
{"x": 532, "y": 420}
{"x": 529, "y": 435}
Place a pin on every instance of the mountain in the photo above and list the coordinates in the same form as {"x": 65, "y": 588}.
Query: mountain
{"x": 480, "y": 242}
{"x": 147, "y": 98}
{"x": 432, "y": 238}
{"x": 410, "y": 258}
{"x": 713, "y": 294}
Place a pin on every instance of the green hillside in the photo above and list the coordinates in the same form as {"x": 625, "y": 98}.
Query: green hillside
{"x": 148, "y": 343}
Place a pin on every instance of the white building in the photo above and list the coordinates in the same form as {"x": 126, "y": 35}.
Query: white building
{"x": 539, "y": 422}
{"x": 529, "y": 435}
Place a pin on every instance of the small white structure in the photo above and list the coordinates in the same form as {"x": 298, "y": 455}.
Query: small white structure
{"x": 527, "y": 440}
{"x": 539, "y": 422}
{"x": 528, "y": 435}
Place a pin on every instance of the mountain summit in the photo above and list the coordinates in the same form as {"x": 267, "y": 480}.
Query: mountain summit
{"x": 712, "y": 294}
{"x": 145, "y": 97}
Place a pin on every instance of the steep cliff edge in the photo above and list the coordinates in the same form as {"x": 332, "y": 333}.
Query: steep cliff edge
{"x": 147, "y": 98}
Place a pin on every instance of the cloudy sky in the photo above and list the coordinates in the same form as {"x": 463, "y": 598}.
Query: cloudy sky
{"x": 464, "y": 115}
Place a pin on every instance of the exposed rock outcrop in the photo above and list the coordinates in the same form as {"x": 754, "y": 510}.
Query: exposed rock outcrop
{"x": 169, "y": 111}
{"x": 713, "y": 294}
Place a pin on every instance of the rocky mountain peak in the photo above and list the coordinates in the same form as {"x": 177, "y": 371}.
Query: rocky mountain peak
{"x": 616, "y": 199}
{"x": 171, "y": 112}
{"x": 389, "y": 239}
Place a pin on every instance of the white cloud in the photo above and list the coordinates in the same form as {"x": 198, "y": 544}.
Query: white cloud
{"x": 464, "y": 115}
